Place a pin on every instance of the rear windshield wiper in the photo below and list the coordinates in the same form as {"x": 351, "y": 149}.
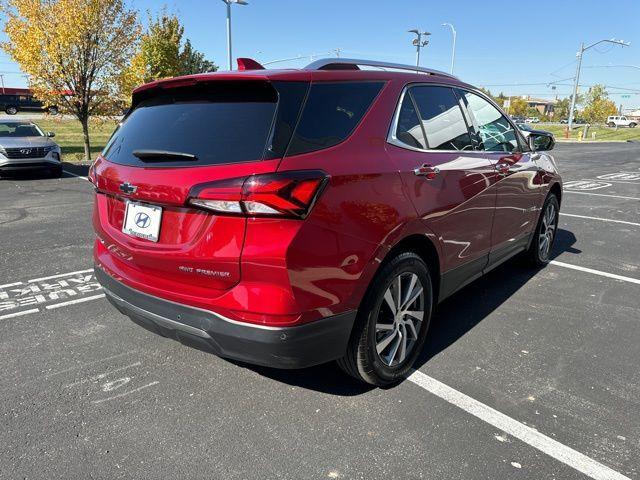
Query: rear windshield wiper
{"x": 163, "y": 155}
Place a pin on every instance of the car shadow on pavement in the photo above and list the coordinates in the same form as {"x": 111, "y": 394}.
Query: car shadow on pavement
{"x": 461, "y": 312}
{"x": 28, "y": 175}
{"x": 452, "y": 320}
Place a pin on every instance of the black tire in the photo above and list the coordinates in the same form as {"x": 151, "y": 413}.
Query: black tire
{"x": 362, "y": 360}
{"x": 11, "y": 110}
{"x": 632, "y": 125}
{"x": 56, "y": 172}
{"x": 539, "y": 253}
{"x": 611, "y": 124}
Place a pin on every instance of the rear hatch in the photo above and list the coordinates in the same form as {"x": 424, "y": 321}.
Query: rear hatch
{"x": 179, "y": 138}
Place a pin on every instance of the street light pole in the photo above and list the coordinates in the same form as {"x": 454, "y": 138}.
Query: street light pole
{"x": 229, "y": 44}
{"x": 419, "y": 43}
{"x": 453, "y": 52}
{"x": 577, "y": 77}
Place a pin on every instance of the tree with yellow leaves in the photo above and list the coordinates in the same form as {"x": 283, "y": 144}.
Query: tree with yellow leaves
{"x": 74, "y": 52}
{"x": 163, "y": 53}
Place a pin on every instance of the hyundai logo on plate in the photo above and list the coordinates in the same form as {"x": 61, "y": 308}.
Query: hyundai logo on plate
{"x": 142, "y": 220}
{"x": 25, "y": 151}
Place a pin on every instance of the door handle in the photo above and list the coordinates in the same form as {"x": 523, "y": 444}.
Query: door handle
{"x": 427, "y": 171}
{"x": 503, "y": 169}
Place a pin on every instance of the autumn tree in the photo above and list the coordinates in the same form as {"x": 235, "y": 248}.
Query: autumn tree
{"x": 74, "y": 51}
{"x": 518, "y": 107}
{"x": 561, "y": 109}
{"x": 597, "y": 105}
{"x": 163, "y": 52}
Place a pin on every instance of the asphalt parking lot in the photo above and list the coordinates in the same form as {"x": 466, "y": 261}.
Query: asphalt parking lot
{"x": 526, "y": 374}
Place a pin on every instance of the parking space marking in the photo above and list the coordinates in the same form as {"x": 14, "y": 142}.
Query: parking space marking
{"x": 74, "y": 175}
{"x": 595, "y": 272}
{"x": 602, "y": 195}
{"x": 134, "y": 391}
{"x": 620, "y": 176}
{"x": 73, "y": 302}
{"x": 585, "y": 185}
{"x": 19, "y": 314}
{"x": 526, "y": 434}
{"x": 624, "y": 182}
{"x": 54, "y": 291}
{"x": 598, "y": 218}
{"x": 60, "y": 275}
{"x": 103, "y": 375}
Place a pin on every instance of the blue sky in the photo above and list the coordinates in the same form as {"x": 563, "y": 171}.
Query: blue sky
{"x": 501, "y": 44}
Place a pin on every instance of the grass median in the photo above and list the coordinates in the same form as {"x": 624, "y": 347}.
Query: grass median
{"x": 602, "y": 133}
{"x": 69, "y": 136}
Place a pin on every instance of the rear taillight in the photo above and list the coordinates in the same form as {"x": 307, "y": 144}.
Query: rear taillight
{"x": 284, "y": 194}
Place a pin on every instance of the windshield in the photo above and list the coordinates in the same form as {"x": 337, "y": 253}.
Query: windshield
{"x": 17, "y": 130}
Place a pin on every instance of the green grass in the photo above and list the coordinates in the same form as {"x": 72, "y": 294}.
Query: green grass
{"x": 69, "y": 136}
{"x": 603, "y": 133}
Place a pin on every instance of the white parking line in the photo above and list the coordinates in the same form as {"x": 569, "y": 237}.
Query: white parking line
{"x": 74, "y": 175}
{"x": 10, "y": 285}
{"x": 595, "y": 272}
{"x": 68, "y": 274}
{"x": 602, "y": 195}
{"x": 19, "y": 314}
{"x": 528, "y": 435}
{"x": 134, "y": 391}
{"x": 598, "y": 218}
{"x": 73, "y": 302}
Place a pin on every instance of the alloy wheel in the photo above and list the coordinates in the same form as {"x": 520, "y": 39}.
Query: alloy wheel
{"x": 547, "y": 231}
{"x": 399, "y": 319}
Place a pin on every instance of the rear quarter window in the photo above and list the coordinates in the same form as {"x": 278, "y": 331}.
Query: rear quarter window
{"x": 331, "y": 113}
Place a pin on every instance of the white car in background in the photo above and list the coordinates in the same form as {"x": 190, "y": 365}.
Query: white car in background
{"x": 24, "y": 146}
{"x": 621, "y": 121}
{"x": 532, "y": 120}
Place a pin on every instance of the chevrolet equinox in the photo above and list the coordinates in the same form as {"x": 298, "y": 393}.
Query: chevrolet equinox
{"x": 289, "y": 218}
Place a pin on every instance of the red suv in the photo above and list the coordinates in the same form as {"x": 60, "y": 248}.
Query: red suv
{"x": 293, "y": 217}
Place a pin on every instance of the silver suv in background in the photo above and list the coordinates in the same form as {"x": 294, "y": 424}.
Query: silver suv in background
{"x": 24, "y": 146}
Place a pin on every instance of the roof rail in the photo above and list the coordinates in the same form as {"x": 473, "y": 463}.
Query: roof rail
{"x": 352, "y": 64}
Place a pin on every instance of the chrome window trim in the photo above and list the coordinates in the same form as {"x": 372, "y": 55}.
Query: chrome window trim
{"x": 393, "y": 140}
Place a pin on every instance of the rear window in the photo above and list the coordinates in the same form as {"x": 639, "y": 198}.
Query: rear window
{"x": 331, "y": 113}
{"x": 218, "y": 123}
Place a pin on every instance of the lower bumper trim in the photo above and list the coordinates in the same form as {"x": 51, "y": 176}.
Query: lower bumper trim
{"x": 280, "y": 347}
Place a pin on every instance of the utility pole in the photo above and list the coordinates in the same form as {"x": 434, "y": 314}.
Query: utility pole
{"x": 229, "y": 45}
{"x": 575, "y": 88}
{"x": 419, "y": 43}
{"x": 2, "y": 78}
{"x": 577, "y": 77}
{"x": 453, "y": 52}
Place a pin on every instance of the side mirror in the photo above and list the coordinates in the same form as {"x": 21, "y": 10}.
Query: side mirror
{"x": 51, "y": 134}
{"x": 541, "y": 141}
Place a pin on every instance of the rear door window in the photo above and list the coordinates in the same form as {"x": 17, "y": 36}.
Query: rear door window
{"x": 442, "y": 118}
{"x": 331, "y": 114}
{"x": 218, "y": 123}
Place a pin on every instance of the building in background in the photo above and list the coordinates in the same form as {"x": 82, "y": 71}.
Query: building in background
{"x": 545, "y": 107}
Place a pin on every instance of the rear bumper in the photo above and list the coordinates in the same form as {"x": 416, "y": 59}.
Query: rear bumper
{"x": 280, "y": 347}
